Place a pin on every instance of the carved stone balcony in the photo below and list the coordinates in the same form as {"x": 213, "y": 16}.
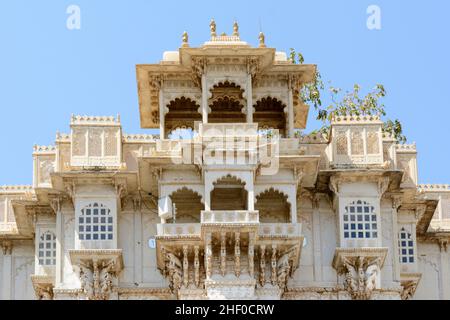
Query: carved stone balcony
{"x": 234, "y": 217}
{"x": 280, "y": 230}
{"x": 356, "y": 141}
{"x": 178, "y": 230}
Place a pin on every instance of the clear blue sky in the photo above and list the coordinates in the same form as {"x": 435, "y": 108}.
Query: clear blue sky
{"x": 48, "y": 72}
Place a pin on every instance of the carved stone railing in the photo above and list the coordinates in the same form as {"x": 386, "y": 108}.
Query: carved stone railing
{"x": 94, "y": 120}
{"x": 44, "y": 149}
{"x": 180, "y": 230}
{"x": 406, "y": 147}
{"x": 16, "y": 189}
{"x": 230, "y": 217}
{"x": 139, "y": 138}
{"x": 433, "y": 187}
{"x": 280, "y": 230}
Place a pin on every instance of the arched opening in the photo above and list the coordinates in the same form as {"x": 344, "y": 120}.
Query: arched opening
{"x": 229, "y": 194}
{"x": 183, "y": 113}
{"x": 226, "y": 104}
{"x": 188, "y": 205}
{"x": 273, "y": 207}
{"x": 269, "y": 114}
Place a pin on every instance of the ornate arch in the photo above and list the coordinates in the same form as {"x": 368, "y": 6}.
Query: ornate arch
{"x": 216, "y": 81}
{"x": 273, "y": 206}
{"x": 188, "y": 189}
{"x": 274, "y": 190}
{"x": 270, "y": 112}
{"x": 172, "y": 96}
{"x": 182, "y": 112}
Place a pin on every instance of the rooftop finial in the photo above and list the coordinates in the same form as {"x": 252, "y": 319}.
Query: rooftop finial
{"x": 262, "y": 39}
{"x": 235, "y": 29}
{"x": 185, "y": 39}
{"x": 212, "y": 26}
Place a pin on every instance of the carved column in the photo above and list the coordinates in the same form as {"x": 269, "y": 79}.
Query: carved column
{"x": 56, "y": 205}
{"x": 396, "y": 203}
{"x": 223, "y": 253}
{"x": 316, "y": 237}
{"x": 138, "y": 240}
{"x": 204, "y": 99}
{"x": 185, "y": 266}
{"x": 290, "y": 110}
{"x": 251, "y": 254}
{"x": 7, "y": 271}
{"x": 208, "y": 255}
{"x": 262, "y": 265}
{"x": 196, "y": 266}
{"x": 162, "y": 132}
{"x": 249, "y": 99}
{"x": 274, "y": 265}
{"x": 237, "y": 254}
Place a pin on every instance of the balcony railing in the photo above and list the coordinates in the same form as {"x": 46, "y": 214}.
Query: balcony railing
{"x": 280, "y": 230}
{"x": 178, "y": 229}
{"x": 230, "y": 217}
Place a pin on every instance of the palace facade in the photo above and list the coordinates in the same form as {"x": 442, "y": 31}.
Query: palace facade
{"x": 229, "y": 201}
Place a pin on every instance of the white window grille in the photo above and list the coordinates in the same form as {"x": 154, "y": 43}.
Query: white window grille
{"x": 405, "y": 246}
{"x": 47, "y": 249}
{"x": 95, "y": 223}
{"x": 360, "y": 221}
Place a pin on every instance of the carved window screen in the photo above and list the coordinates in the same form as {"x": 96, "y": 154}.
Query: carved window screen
{"x": 2, "y": 211}
{"x": 360, "y": 221}
{"x": 95, "y": 223}
{"x": 405, "y": 247}
{"x": 47, "y": 249}
{"x": 372, "y": 142}
{"x": 341, "y": 143}
{"x": 357, "y": 143}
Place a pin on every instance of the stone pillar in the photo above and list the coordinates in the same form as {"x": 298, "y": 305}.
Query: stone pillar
{"x": 262, "y": 265}
{"x": 251, "y": 254}
{"x": 196, "y": 266}
{"x": 237, "y": 254}
{"x": 185, "y": 266}
{"x": 7, "y": 271}
{"x": 208, "y": 255}
{"x": 223, "y": 253}
{"x": 316, "y": 238}
{"x": 290, "y": 125}
{"x": 204, "y": 99}
{"x": 274, "y": 264}
{"x": 138, "y": 240}
{"x": 249, "y": 99}
{"x": 162, "y": 132}
{"x": 59, "y": 268}
{"x": 396, "y": 202}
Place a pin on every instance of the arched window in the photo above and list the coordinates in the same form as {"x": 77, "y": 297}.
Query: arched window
{"x": 405, "y": 247}
{"x": 360, "y": 221}
{"x": 47, "y": 249}
{"x": 95, "y": 223}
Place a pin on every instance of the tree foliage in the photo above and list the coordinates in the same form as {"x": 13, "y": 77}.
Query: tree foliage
{"x": 347, "y": 103}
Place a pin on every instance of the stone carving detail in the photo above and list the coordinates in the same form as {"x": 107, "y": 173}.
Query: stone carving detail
{"x": 174, "y": 272}
{"x": 284, "y": 268}
{"x": 237, "y": 255}
{"x": 409, "y": 288}
{"x": 262, "y": 264}
{"x": 46, "y": 167}
{"x": 97, "y": 279}
{"x": 44, "y": 292}
{"x": 360, "y": 276}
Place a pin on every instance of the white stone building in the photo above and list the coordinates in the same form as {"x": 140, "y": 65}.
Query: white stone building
{"x": 242, "y": 209}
